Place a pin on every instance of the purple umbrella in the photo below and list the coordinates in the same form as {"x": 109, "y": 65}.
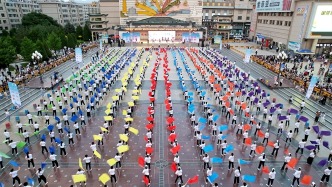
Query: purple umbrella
{"x": 293, "y": 111}
{"x": 325, "y": 133}
{"x": 326, "y": 144}
{"x": 282, "y": 118}
{"x": 272, "y": 110}
{"x": 256, "y": 100}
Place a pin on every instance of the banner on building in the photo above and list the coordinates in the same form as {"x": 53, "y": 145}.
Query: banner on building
{"x": 294, "y": 45}
{"x": 313, "y": 81}
{"x": 14, "y": 94}
{"x": 100, "y": 44}
{"x": 274, "y": 6}
{"x": 247, "y": 56}
{"x": 135, "y": 37}
{"x": 192, "y": 37}
{"x": 78, "y": 55}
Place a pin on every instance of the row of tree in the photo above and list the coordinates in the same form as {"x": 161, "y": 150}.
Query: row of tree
{"x": 42, "y": 33}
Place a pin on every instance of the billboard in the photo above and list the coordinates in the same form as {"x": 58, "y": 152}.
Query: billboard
{"x": 193, "y": 37}
{"x": 161, "y": 36}
{"x": 274, "y": 5}
{"x": 294, "y": 46}
{"x": 135, "y": 36}
{"x": 78, "y": 54}
{"x": 133, "y": 10}
{"x": 320, "y": 22}
{"x": 217, "y": 39}
{"x": 14, "y": 94}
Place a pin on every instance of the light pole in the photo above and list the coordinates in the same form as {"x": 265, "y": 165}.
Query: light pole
{"x": 36, "y": 57}
{"x": 281, "y": 58}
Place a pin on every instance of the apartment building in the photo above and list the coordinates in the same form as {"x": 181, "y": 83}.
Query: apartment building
{"x": 12, "y": 12}
{"x": 294, "y": 24}
{"x": 227, "y": 17}
{"x": 63, "y": 12}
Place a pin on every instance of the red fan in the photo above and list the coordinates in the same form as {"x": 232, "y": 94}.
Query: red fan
{"x": 266, "y": 170}
{"x": 175, "y": 149}
{"x": 149, "y": 150}
{"x": 173, "y": 167}
{"x": 171, "y": 137}
{"x": 141, "y": 161}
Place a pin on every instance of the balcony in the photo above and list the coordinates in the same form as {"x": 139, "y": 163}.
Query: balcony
{"x": 220, "y": 28}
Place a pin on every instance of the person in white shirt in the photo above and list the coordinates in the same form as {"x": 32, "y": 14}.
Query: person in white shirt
{"x": 41, "y": 177}
{"x": 47, "y": 118}
{"x": 287, "y": 159}
{"x": 252, "y": 149}
{"x": 14, "y": 175}
{"x": 36, "y": 126}
{"x": 231, "y": 161}
{"x": 272, "y": 176}
{"x": 62, "y": 149}
{"x": 237, "y": 174}
{"x": 54, "y": 160}
{"x": 297, "y": 175}
{"x": 13, "y": 145}
{"x": 311, "y": 157}
{"x": 178, "y": 174}
{"x": 297, "y": 125}
{"x": 302, "y": 106}
{"x": 266, "y": 136}
{"x": 289, "y": 136}
{"x": 326, "y": 175}
{"x": 87, "y": 161}
{"x": 146, "y": 173}
{"x": 147, "y": 160}
{"x": 19, "y": 127}
{"x": 301, "y": 146}
{"x": 261, "y": 161}
{"x": 111, "y": 172}
{"x": 30, "y": 118}
{"x": 244, "y": 184}
{"x": 29, "y": 158}
{"x": 208, "y": 173}
{"x": 80, "y": 172}
{"x": 39, "y": 112}
{"x": 43, "y": 146}
{"x": 245, "y": 136}
{"x": 306, "y": 133}
{"x": 118, "y": 160}
{"x": 206, "y": 160}
{"x": 275, "y": 148}
{"x": 7, "y": 136}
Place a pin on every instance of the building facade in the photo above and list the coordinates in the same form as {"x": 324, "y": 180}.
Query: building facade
{"x": 295, "y": 25}
{"x": 12, "y": 12}
{"x": 111, "y": 8}
{"x": 91, "y": 8}
{"x": 227, "y": 17}
{"x": 63, "y": 12}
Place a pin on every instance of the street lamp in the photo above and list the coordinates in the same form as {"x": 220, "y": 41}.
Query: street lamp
{"x": 282, "y": 56}
{"x": 36, "y": 57}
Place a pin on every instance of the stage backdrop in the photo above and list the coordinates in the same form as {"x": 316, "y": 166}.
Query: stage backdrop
{"x": 194, "y": 37}
{"x": 136, "y": 37}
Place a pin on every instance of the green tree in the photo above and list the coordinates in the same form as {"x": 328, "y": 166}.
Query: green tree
{"x": 86, "y": 33}
{"x": 27, "y": 48}
{"x": 4, "y": 33}
{"x": 53, "y": 41}
{"x": 35, "y": 18}
{"x": 7, "y": 52}
{"x": 12, "y": 32}
{"x": 69, "y": 28}
{"x": 79, "y": 32}
{"x": 71, "y": 41}
{"x": 41, "y": 48}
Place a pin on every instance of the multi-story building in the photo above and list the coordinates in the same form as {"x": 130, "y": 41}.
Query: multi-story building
{"x": 111, "y": 8}
{"x": 12, "y": 12}
{"x": 294, "y": 24}
{"x": 227, "y": 17}
{"x": 63, "y": 12}
{"x": 91, "y": 8}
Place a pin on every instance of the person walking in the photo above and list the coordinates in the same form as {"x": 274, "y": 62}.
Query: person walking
{"x": 111, "y": 172}
{"x": 178, "y": 174}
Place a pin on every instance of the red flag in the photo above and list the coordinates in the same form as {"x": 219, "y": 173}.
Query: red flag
{"x": 171, "y": 128}
{"x": 260, "y": 149}
{"x": 146, "y": 138}
{"x": 306, "y": 180}
{"x": 248, "y": 141}
{"x": 170, "y": 120}
{"x": 175, "y": 149}
{"x": 270, "y": 143}
{"x": 149, "y": 150}
{"x": 286, "y": 151}
{"x": 149, "y": 126}
{"x": 141, "y": 161}
{"x": 145, "y": 180}
{"x": 291, "y": 164}
{"x": 168, "y": 107}
{"x": 171, "y": 137}
{"x": 266, "y": 170}
{"x": 173, "y": 167}
{"x": 246, "y": 127}
{"x": 149, "y": 118}
{"x": 193, "y": 180}
{"x": 260, "y": 134}
{"x": 152, "y": 99}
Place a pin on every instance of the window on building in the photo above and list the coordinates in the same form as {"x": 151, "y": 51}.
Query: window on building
{"x": 213, "y": 11}
{"x": 247, "y": 18}
{"x": 6, "y": 28}
{"x": 289, "y": 24}
{"x": 4, "y": 21}
{"x": 1, "y": 28}
{"x": 3, "y": 15}
{"x": 239, "y": 17}
{"x": 1, "y": 8}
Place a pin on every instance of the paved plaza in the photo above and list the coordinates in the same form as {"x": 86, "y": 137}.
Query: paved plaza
{"x": 161, "y": 174}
